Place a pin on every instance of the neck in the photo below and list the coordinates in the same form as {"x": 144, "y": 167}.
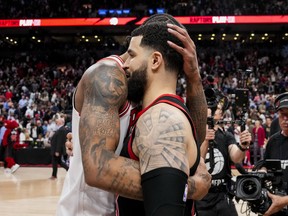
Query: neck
{"x": 153, "y": 93}
{"x": 158, "y": 87}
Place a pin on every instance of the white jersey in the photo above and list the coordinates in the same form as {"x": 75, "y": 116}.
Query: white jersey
{"x": 77, "y": 198}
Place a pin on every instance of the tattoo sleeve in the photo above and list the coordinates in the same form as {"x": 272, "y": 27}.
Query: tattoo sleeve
{"x": 104, "y": 89}
{"x": 159, "y": 139}
{"x": 197, "y": 105}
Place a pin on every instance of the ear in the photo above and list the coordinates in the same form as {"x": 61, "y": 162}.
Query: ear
{"x": 157, "y": 60}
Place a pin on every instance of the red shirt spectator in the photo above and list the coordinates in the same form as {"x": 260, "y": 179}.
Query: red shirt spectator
{"x": 8, "y": 94}
{"x": 260, "y": 132}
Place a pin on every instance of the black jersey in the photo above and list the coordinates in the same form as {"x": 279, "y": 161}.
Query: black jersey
{"x": 129, "y": 207}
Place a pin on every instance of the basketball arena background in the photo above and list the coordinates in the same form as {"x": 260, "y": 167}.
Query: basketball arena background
{"x": 45, "y": 46}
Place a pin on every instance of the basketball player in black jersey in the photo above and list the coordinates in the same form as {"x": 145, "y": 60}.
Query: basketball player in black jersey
{"x": 163, "y": 138}
{"x": 127, "y": 179}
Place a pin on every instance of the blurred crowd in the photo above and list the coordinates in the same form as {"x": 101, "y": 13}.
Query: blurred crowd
{"x": 36, "y": 87}
{"x": 37, "y": 81}
{"x": 88, "y": 8}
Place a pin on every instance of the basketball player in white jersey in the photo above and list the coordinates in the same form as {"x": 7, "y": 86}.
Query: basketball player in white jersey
{"x": 100, "y": 95}
{"x": 77, "y": 197}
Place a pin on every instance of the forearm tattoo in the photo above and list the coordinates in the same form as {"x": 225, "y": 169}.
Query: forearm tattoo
{"x": 197, "y": 105}
{"x": 191, "y": 186}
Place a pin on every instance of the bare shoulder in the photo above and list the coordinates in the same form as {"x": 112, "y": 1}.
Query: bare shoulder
{"x": 161, "y": 138}
{"x": 165, "y": 116}
{"x": 103, "y": 90}
{"x": 93, "y": 86}
{"x": 105, "y": 81}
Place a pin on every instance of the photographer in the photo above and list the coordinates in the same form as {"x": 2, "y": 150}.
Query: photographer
{"x": 277, "y": 148}
{"x": 219, "y": 149}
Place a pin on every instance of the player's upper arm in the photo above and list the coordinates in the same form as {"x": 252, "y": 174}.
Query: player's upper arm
{"x": 104, "y": 90}
{"x": 161, "y": 139}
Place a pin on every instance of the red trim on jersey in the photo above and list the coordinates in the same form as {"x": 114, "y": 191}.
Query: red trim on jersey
{"x": 118, "y": 57}
{"x": 117, "y": 206}
{"x": 115, "y": 58}
{"x": 169, "y": 102}
{"x": 124, "y": 109}
{"x": 153, "y": 103}
{"x": 130, "y": 150}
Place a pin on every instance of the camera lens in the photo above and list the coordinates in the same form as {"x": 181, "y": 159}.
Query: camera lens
{"x": 249, "y": 188}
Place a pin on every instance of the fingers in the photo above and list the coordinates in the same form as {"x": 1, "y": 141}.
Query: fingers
{"x": 69, "y": 147}
{"x": 69, "y": 152}
{"x": 69, "y": 144}
{"x": 182, "y": 36}
{"x": 246, "y": 136}
{"x": 187, "y": 50}
{"x": 179, "y": 49}
{"x": 69, "y": 136}
{"x": 179, "y": 32}
{"x": 210, "y": 134}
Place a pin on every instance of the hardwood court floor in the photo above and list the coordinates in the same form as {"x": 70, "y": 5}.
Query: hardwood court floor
{"x": 30, "y": 192}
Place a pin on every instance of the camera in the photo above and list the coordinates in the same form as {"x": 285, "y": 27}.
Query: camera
{"x": 251, "y": 188}
{"x": 254, "y": 186}
{"x": 213, "y": 95}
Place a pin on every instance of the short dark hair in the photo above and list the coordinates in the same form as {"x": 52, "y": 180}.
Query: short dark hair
{"x": 155, "y": 36}
{"x": 167, "y": 18}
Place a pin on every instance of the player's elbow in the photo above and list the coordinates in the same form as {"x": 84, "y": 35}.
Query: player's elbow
{"x": 90, "y": 178}
{"x": 200, "y": 195}
{"x": 93, "y": 180}
{"x": 90, "y": 181}
{"x": 202, "y": 188}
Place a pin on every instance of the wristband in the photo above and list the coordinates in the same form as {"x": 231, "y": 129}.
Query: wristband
{"x": 241, "y": 148}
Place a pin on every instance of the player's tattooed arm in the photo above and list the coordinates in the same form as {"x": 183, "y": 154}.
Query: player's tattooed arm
{"x": 196, "y": 101}
{"x": 160, "y": 140}
{"x": 200, "y": 182}
{"x": 105, "y": 90}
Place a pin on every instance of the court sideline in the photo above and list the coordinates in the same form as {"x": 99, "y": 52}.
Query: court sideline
{"x": 30, "y": 192}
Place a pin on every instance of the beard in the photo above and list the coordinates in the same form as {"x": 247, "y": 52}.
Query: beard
{"x": 137, "y": 83}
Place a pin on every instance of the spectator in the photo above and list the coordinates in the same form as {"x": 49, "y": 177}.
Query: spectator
{"x": 8, "y": 94}
{"x": 58, "y": 147}
{"x": 33, "y": 132}
{"x": 22, "y": 136}
{"x": 30, "y": 112}
{"x": 258, "y": 134}
{"x": 267, "y": 127}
